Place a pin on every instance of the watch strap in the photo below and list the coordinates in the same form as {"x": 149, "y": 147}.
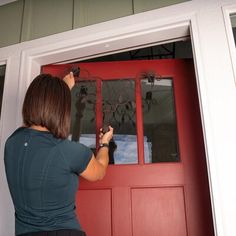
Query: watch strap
{"x": 103, "y": 145}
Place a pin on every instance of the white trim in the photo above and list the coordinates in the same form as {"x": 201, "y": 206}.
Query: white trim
{"x": 100, "y": 45}
{"x": 10, "y": 87}
{"x": 123, "y": 50}
{"x": 7, "y": 125}
{"x": 206, "y": 122}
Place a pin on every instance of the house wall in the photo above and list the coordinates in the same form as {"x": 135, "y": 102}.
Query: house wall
{"x": 207, "y": 22}
{"x": 25, "y": 20}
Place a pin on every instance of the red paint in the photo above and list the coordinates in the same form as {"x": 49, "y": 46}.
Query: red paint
{"x": 139, "y": 119}
{"x": 153, "y": 199}
{"x": 98, "y": 109}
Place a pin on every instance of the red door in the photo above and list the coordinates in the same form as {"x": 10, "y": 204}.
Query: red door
{"x": 157, "y": 181}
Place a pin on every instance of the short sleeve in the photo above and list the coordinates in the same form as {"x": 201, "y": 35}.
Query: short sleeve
{"x": 76, "y": 155}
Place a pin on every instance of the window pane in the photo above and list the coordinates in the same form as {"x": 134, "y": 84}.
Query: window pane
{"x": 119, "y": 111}
{"x": 2, "y": 79}
{"x": 160, "y": 131}
{"x": 83, "y": 118}
{"x": 233, "y": 23}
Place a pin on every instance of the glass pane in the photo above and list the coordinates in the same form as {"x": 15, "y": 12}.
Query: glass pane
{"x": 119, "y": 111}
{"x": 83, "y": 117}
{"x": 160, "y": 130}
{"x": 233, "y": 23}
{"x": 2, "y": 79}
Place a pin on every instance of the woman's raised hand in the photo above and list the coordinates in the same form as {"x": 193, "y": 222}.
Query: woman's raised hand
{"x": 106, "y": 137}
{"x": 69, "y": 80}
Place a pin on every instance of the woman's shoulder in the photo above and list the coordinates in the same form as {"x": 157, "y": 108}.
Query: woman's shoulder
{"x": 71, "y": 145}
{"x": 17, "y": 132}
{"x": 73, "y": 148}
{"x": 75, "y": 154}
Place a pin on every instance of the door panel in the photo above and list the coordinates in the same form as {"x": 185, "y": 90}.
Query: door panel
{"x": 161, "y": 210}
{"x": 98, "y": 215}
{"x": 149, "y": 198}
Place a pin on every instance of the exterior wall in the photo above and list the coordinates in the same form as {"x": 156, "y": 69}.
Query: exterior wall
{"x": 12, "y": 14}
{"x": 214, "y": 53}
{"x": 25, "y": 20}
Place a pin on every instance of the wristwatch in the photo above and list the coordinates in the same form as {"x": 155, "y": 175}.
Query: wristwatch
{"x": 103, "y": 145}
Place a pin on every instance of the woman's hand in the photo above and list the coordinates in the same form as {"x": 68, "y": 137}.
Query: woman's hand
{"x": 69, "y": 80}
{"x": 105, "y": 138}
{"x": 96, "y": 168}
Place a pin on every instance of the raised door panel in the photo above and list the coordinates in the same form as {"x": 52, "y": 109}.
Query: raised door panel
{"x": 94, "y": 211}
{"x": 158, "y": 211}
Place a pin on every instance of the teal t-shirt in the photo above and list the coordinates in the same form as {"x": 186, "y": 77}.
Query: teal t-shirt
{"x": 42, "y": 173}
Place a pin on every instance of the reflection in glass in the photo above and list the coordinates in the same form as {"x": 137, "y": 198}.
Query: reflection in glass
{"x": 119, "y": 110}
{"x": 83, "y": 117}
{"x": 160, "y": 131}
{"x": 2, "y": 79}
{"x": 233, "y": 23}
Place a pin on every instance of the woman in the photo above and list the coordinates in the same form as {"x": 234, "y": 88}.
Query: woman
{"x": 42, "y": 165}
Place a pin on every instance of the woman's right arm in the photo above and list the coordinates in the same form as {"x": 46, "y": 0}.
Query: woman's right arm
{"x": 96, "y": 168}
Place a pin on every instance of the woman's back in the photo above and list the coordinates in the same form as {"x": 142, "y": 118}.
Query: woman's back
{"x": 42, "y": 173}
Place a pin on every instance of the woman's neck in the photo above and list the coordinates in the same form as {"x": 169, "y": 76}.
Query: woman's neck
{"x": 39, "y": 128}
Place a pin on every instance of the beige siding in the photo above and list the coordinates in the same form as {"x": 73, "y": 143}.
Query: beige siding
{"x": 30, "y": 19}
{"x": 87, "y": 12}
{"x": 233, "y": 20}
{"x": 46, "y": 17}
{"x": 146, "y": 5}
{"x": 10, "y": 23}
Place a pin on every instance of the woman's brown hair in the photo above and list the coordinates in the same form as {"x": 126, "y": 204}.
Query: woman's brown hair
{"x": 48, "y": 103}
